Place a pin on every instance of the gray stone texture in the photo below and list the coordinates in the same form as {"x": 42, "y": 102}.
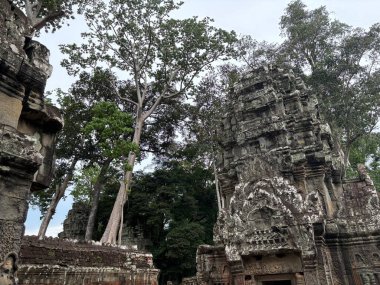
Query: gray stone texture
{"x": 287, "y": 216}
{"x": 28, "y": 129}
{"x": 54, "y": 261}
{"x": 74, "y": 226}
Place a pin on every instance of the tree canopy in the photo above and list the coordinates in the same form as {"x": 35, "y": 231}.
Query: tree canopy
{"x": 49, "y": 14}
{"x": 160, "y": 56}
{"x": 157, "y": 204}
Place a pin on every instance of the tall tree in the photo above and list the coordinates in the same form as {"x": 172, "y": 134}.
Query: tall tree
{"x": 48, "y": 14}
{"x": 340, "y": 63}
{"x": 109, "y": 127}
{"x": 162, "y": 56}
{"x": 157, "y": 205}
{"x": 68, "y": 152}
{"x": 77, "y": 107}
{"x": 205, "y": 114}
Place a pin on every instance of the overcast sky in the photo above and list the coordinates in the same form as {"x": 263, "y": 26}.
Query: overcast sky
{"x": 258, "y": 18}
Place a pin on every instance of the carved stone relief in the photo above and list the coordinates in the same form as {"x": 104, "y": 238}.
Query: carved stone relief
{"x": 280, "y": 175}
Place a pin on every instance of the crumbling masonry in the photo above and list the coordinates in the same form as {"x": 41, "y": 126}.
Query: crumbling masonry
{"x": 28, "y": 129}
{"x": 286, "y": 216}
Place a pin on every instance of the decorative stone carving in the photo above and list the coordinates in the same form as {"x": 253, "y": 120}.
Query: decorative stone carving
{"x": 286, "y": 214}
{"x": 8, "y": 269}
{"x": 28, "y": 128}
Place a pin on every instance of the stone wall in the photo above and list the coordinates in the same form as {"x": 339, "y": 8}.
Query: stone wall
{"x": 286, "y": 216}
{"x": 134, "y": 237}
{"x": 57, "y": 261}
{"x": 28, "y": 129}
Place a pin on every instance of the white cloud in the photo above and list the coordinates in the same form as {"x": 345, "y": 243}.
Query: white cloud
{"x": 52, "y": 231}
{"x": 31, "y": 232}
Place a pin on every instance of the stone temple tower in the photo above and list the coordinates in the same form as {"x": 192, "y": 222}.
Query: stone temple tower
{"x": 286, "y": 215}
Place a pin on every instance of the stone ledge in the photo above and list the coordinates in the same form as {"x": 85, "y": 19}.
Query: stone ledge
{"x": 54, "y": 261}
{"x": 74, "y": 275}
{"x": 55, "y": 251}
{"x": 18, "y": 151}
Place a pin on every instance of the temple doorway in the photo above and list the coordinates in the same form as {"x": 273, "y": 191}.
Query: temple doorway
{"x": 276, "y": 279}
{"x": 279, "y": 282}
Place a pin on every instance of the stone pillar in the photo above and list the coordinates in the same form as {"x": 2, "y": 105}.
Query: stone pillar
{"x": 237, "y": 273}
{"x": 18, "y": 163}
{"x": 311, "y": 271}
{"x": 28, "y": 129}
{"x": 300, "y": 280}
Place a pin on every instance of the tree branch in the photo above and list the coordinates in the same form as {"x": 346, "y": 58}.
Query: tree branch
{"x": 28, "y": 9}
{"x": 158, "y": 100}
{"x": 41, "y": 22}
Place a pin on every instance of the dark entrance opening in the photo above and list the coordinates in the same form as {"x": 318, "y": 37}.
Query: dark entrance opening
{"x": 279, "y": 282}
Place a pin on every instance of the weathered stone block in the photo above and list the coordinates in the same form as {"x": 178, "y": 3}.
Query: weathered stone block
{"x": 56, "y": 262}
{"x": 24, "y": 121}
{"x": 286, "y": 216}
{"x": 10, "y": 110}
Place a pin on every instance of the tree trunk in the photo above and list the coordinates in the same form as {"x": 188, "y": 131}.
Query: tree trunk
{"x": 95, "y": 199}
{"x": 220, "y": 204}
{"x": 111, "y": 231}
{"x": 60, "y": 191}
{"x": 346, "y": 158}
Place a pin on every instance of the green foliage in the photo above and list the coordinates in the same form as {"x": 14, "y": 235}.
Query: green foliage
{"x": 94, "y": 130}
{"x": 160, "y": 55}
{"x": 110, "y": 128}
{"x": 84, "y": 182}
{"x": 49, "y": 14}
{"x": 310, "y": 36}
{"x": 181, "y": 247}
{"x": 176, "y": 207}
{"x": 140, "y": 38}
{"x": 366, "y": 151}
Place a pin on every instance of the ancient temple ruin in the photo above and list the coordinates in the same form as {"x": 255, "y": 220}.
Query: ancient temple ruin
{"x": 56, "y": 261}
{"x": 28, "y": 128}
{"x": 286, "y": 215}
{"x": 74, "y": 226}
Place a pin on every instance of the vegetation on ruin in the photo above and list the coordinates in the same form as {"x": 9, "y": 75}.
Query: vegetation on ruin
{"x": 95, "y": 131}
{"x": 48, "y": 14}
{"x": 160, "y": 55}
{"x": 150, "y": 62}
{"x": 340, "y": 63}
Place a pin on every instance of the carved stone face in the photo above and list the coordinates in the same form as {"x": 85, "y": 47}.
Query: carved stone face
{"x": 9, "y": 264}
